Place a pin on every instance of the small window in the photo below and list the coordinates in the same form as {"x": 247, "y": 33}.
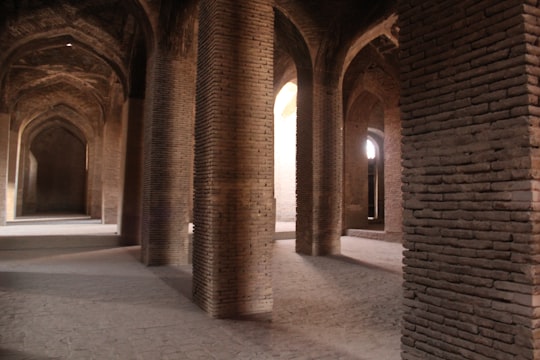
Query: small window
{"x": 370, "y": 150}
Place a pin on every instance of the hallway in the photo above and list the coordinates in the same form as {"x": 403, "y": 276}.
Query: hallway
{"x": 102, "y": 303}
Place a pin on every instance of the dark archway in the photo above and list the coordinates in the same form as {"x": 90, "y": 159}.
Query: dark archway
{"x": 57, "y": 177}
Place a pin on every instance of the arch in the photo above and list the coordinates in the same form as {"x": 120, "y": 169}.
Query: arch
{"x": 60, "y": 110}
{"x": 61, "y": 105}
{"x": 53, "y": 169}
{"x": 59, "y": 38}
{"x": 77, "y": 124}
{"x": 289, "y": 38}
{"x": 57, "y": 79}
{"x": 365, "y": 120}
{"x": 385, "y": 27}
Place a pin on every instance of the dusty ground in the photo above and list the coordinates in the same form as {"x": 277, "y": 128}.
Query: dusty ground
{"x": 104, "y": 304}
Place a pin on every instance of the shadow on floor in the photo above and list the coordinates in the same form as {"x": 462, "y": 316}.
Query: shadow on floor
{"x": 363, "y": 264}
{"x": 177, "y": 278}
{"x": 6, "y": 354}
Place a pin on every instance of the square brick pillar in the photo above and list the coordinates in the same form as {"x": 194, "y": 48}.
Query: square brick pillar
{"x": 168, "y": 138}
{"x": 393, "y": 205}
{"x": 168, "y": 149}
{"x": 471, "y": 136}
{"x": 4, "y": 146}
{"x": 112, "y": 176}
{"x": 234, "y": 207}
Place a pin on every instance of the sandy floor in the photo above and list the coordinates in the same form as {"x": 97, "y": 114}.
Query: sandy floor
{"x": 104, "y": 304}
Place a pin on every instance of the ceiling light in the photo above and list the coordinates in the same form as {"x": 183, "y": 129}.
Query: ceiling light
{"x": 69, "y": 44}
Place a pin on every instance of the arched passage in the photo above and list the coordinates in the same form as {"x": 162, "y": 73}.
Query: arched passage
{"x": 363, "y": 201}
{"x": 55, "y": 177}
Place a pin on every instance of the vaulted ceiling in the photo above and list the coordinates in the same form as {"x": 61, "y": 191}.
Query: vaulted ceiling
{"x": 82, "y": 55}
{"x": 70, "y": 54}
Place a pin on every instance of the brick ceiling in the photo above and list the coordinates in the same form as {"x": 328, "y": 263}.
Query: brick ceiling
{"x": 70, "y": 53}
{"x": 77, "y": 54}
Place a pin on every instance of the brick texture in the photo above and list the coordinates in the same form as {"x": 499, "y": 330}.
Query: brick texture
{"x": 112, "y": 175}
{"x": 168, "y": 142}
{"x": 320, "y": 167}
{"x": 470, "y": 180}
{"x": 393, "y": 206}
{"x": 234, "y": 208}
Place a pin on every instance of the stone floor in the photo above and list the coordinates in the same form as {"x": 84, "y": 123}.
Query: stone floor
{"x": 101, "y": 303}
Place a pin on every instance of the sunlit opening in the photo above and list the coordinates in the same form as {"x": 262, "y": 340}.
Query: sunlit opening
{"x": 285, "y": 106}
{"x": 370, "y": 150}
{"x": 285, "y": 153}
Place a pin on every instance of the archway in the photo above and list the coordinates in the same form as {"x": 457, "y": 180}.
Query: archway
{"x": 55, "y": 178}
{"x": 374, "y": 145}
{"x": 363, "y": 201}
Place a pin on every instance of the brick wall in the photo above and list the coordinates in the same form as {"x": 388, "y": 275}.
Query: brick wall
{"x": 234, "y": 211}
{"x": 468, "y": 83}
{"x": 529, "y": 250}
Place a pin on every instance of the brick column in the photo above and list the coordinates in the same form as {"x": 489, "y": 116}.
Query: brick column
{"x": 469, "y": 97}
{"x": 95, "y": 166}
{"x": 112, "y": 164}
{"x": 132, "y": 201}
{"x": 393, "y": 204}
{"x": 168, "y": 141}
{"x": 4, "y": 147}
{"x": 233, "y": 217}
{"x": 320, "y": 167}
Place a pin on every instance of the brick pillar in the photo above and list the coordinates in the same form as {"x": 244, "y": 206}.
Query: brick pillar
{"x": 132, "y": 202}
{"x": 233, "y": 217}
{"x": 95, "y": 166}
{"x": 4, "y": 147}
{"x": 393, "y": 205}
{"x": 469, "y": 97}
{"x": 320, "y": 166}
{"x": 112, "y": 165}
{"x": 168, "y": 142}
